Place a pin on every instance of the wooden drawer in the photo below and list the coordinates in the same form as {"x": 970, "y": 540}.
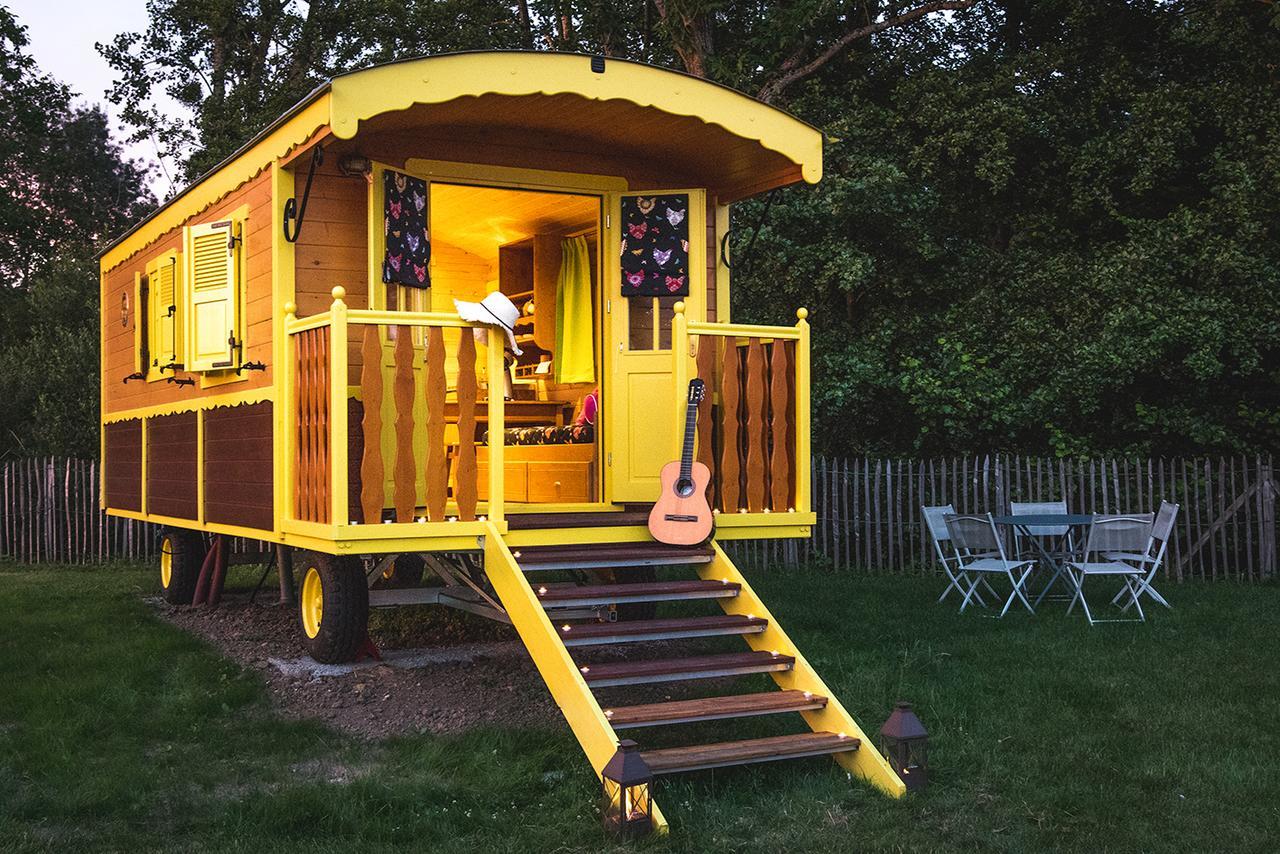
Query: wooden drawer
{"x": 515, "y": 481}
{"x": 567, "y": 482}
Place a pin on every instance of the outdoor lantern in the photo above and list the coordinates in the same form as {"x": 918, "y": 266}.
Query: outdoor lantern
{"x": 905, "y": 743}
{"x": 628, "y": 811}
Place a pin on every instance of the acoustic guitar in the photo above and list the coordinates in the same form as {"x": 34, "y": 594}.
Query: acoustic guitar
{"x": 682, "y": 516}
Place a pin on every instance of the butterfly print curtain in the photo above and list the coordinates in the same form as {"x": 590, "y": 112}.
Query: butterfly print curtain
{"x": 655, "y": 246}
{"x": 407, "y": 238}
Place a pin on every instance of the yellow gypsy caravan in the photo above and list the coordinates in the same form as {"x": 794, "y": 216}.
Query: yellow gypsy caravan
{"x": 283, "y": 358}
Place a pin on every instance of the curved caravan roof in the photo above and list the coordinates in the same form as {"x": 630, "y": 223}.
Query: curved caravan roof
{"x": 682, "y": 128}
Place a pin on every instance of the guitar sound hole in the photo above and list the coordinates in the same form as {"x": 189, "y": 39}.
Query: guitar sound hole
{"x": 684, "y": 488}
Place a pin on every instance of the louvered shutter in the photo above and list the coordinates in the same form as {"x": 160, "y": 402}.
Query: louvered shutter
{"x": 214, "y": 308}
{"x": 162, "y": 303}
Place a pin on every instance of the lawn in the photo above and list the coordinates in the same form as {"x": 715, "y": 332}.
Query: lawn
{"x": 118, "y": 731}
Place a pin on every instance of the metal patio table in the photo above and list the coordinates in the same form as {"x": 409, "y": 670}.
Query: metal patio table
{"x": 1052, "y": 556}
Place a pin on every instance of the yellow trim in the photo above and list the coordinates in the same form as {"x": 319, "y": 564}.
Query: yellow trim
{"x": 102, "y": 388}
{"x": 142, "y": 500}
{"x": 362, "y": 95}
{"x": 584, "y": 536}
{"x": 138, "y": 366}
{"x": 804, "y": 460}
{"x": 216, "y": 379}
{"x": 311, "y": 601}
{"x": 723, "y": 276}
{"x": 222, "y": 182}
{"x": 175, "y": 261}
{"x": 282, "y": 297}
{"x": 338, "y": 441}
{"x": 745, "y": 330}
{"x": 582, "y": 507}
{"x": 448, "y": 171}
{"x": 775, "y": 532}
{"x": 200, "y": 465}
{"x": 866, "y": 762}
{"x": 376, "y": 239}
{"x": 558, "y": 670}
{"x": 764, "y": 520}
{"x": 230, "y": 282}
{"x": 253, "y": 395}
{"x": 194, "y": 525}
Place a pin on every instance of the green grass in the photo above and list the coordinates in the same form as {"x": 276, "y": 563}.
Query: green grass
{"x": 119, "y": 732}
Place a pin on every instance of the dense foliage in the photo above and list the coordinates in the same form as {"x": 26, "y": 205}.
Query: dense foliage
{"x": 1044, "y": 225}
{"x": 1048, "y": 224}
{"x": 64, "y": 189}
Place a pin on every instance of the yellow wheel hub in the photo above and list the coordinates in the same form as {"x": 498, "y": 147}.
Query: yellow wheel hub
{"x": 312, "y": 601}
{"x": 166, "y": 562}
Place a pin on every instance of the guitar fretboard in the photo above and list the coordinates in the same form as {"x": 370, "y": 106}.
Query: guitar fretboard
{"x": 690, "y": 425}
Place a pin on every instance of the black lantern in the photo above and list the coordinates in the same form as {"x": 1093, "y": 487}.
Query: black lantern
{"x": 905, "y": 743}
{"x": 628, "y": 810}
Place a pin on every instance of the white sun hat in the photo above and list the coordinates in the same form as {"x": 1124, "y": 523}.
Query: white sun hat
{"x": 494, "y": 310}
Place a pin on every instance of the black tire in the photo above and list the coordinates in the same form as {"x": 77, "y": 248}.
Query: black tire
{"x": 334, "y": 633}
{"x": 184, "y": 553}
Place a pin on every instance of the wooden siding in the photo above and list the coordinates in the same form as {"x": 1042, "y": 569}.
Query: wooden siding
{"x": 123, "y": 465}
{"x": 333, "y": 246}
{"x": 713, "y": 257}
{"x": 118, "y": 352}
{"x": 238, "y": 482}
{"x": 171, "y": 466}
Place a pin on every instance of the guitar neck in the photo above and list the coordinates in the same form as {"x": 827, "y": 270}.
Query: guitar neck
{"x": 686, "y": 455}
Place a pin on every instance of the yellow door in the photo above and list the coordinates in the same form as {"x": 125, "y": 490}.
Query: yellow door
{"x": 639, "y": 398}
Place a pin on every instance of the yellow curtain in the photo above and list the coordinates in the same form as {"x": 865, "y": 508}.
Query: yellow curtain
{"x": 574, "y": 358}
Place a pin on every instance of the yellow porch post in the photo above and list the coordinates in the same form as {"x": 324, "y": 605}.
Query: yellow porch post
{"x": 338, "y": 407}
{"x": 804, "y": 465}
{"x": 679, "y": 374}
{"x": 497, "y": 439}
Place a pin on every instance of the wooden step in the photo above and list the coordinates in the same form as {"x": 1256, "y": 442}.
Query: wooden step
{"x": 573, "y": 595}
{"x": 714, "y": 708}
{"x": 674, "y": 760}
{"x": 608, "y": 673}
{"x": 605, "y": 519}
{"x": 630, "y": 631}
{"x": 608, "y": 555}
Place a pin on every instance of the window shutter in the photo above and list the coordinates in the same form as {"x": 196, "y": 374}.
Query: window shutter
{"x": 163, "y": 277}
{"x": 214, "y": 319}
{"x": 141, "y": 326}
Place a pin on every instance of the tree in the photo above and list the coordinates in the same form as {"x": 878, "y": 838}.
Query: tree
{"x": 66, "y": 189}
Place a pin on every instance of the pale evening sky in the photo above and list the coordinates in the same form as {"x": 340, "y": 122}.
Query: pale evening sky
{"x": 62, "y": 34}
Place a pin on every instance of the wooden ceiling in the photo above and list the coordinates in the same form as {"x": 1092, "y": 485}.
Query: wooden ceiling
{"x": 480, "y": 219}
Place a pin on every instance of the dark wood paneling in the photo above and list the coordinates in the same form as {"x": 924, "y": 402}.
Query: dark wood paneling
{"x": 171, "y": 466}
{"x": 123, "y": 465}
{"x": 238, "y": 471}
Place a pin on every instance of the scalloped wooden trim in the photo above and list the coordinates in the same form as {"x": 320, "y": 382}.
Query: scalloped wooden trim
{"x": 208, "y": 191}
{"x": 364, "y": 94}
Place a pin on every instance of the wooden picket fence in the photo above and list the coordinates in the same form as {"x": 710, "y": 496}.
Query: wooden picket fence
{"x": 868, "y": 510}
{"x": 51, "y": 515}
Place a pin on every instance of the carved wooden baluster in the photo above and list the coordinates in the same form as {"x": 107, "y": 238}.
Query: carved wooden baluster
{"x": 302, "y": 498}
{"x": 405, "y": 472}
{"x": 372, "y": 471}
{"x": 780, "y": 399}
{"x": 437, "y": 455}
{"x": 755, "y": 426}
{"x": 730, "y": 429}
{"x": 706, "y": 450}
{"x": 464, "y": 490}
{"x": 322, "y": 425}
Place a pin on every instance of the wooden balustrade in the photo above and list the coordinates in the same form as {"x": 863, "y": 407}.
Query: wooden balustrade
{"x": 312, "y": 452}
{"x": 753, "y": 422}
{"x": 408, "y": 450}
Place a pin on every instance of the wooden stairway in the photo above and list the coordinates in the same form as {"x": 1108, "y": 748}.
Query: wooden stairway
{"x": 602, "y": 672}
{"x": 635, "y": 668}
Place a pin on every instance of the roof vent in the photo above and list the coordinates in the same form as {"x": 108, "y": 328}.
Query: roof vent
{"x": 597, "y": 64}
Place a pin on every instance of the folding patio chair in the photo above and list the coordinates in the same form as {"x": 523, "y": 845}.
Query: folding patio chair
{"x": 945, "y": 549}
{"x": 976, "y": 540}
{"x": 1153, "y": 558}
{"x": 1110, "y": 535}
